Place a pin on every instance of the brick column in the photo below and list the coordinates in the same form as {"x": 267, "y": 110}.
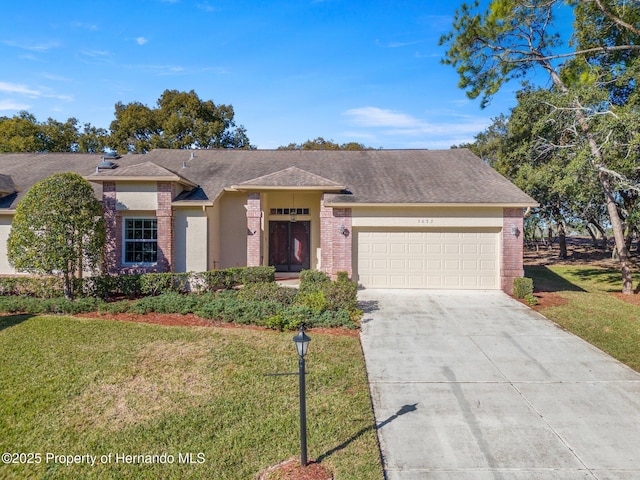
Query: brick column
{"x": 335, "y": 247}
{"x": 113, "y": 243}
{"x": 512, "y": 248}
{"x": 254, "y": 230}
{"x": 164, "y": 215}
{"x": 326, "y": 238}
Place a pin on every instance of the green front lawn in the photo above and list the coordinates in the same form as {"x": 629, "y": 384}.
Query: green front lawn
{"x": 71, "y": 386}
{"x": 590, "y": 311}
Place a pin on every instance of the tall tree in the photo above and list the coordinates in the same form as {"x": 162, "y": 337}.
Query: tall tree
{"x": 180, "y": 120}
{"x": 58, "y": 228}
{"x": 20, "y": 133}
{"x": 320, "y": 143}
{"x": 593, "y": 93}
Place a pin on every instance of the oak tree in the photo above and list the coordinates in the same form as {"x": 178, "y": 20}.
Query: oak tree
{"x": 593, "y": 92}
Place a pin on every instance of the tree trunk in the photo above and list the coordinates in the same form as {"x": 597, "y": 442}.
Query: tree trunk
{"x": 618, "y": 234}
{"x": 603, "y": 234}
{"x": 598, "y": 163}
{"x": 562, "y": 240}
{"x": 594, "y": 239}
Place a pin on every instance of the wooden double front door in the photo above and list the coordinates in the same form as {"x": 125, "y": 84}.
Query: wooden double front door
{"x": 289, "y": 246}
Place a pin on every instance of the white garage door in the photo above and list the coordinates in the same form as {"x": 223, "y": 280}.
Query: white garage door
{"x": 458, "y": 259}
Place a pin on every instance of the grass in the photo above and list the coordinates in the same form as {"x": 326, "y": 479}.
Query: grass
{"x": 75, "y": 386}
{"x": 590, "y": 311}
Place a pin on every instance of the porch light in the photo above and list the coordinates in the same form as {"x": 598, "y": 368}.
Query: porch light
{"x": 514, "y": 230}
{"x": 292, "y": 215}
{"x": 343, "y": 230}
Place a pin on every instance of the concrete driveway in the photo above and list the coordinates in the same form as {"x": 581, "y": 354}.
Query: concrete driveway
{"x": 471, "y": 385}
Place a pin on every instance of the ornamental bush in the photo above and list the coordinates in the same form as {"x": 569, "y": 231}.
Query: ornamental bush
{"x": 522, "y": 287}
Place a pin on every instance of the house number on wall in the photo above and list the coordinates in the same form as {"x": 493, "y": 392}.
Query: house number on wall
{"x": 425, "y": 221}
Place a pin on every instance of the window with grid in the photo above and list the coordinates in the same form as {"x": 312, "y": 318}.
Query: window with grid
{"x": 140, "y": 240}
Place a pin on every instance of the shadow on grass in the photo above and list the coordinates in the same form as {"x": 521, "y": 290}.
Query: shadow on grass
{"x": 11, "y": 320}
{"x": 606, "y": 278}
{"x": 404, "y": 410}
{"x": 544, "y": 280}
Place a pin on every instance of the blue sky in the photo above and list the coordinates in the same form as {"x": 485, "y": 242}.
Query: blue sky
{"x": 364, "y": 71}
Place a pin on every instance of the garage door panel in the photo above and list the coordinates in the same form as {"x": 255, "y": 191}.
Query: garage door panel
{"x": 429, "y": 259}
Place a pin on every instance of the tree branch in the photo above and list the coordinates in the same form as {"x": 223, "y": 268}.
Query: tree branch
{"x": 614, "y": 18}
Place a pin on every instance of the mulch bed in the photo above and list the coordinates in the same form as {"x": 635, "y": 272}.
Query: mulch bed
{"x": 292, "y": 470}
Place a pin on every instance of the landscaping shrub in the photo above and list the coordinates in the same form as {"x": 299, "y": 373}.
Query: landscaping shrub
{"x": 58, "y": 305}
{"x": 41, "y": 287}
{"x": 313, "y": 280}
{"x": 251, "y": 275}
{"x": 171, "y": 302}
{"x": 114, "y": 308}
{"x": 217, "y": 280}
{"x": 315, "y": 301}
{"x": 342, "y": 277}
{"x": 272, "y": 292}
{"x": 158, "y": 283}
{"x": 531, "y": 299}
{"x": 522, "y": 287}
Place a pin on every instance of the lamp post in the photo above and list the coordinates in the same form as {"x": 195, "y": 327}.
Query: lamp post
{"x": 302, "y": 344}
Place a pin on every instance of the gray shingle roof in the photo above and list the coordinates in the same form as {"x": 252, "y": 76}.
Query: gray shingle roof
{"x": 453, "y": 176}
{"x": 291, "y": 177}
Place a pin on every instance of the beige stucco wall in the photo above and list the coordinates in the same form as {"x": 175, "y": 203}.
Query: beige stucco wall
{"x": 213, "y": 222}
{"x": 191, "y": 240}
{"x": 233, "y": 230}
{"x": 5, "y": 228}
{"x": 288, "y": 199}
{"x": 421, "y": 217}
{"x": 136, "y": 196}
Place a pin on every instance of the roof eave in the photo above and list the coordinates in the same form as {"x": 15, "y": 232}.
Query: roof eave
{"x": 254, "y": 188}
{"x": 386, "y": 204}
{"x": 113, "y": 178}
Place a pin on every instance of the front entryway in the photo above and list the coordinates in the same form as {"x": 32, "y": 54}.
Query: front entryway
{"x": 289, "y": 246}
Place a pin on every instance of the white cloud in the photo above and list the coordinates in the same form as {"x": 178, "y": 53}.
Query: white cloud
{"x": 378, "y": 117}
{"x": 86, "y": 26}
{"x": 11, "y": 105}
{"x": 95, "y": 53}
{"x": 141, "y": 40}
{"x": 205, "y": 6}
{"x": 19, "y": 89}
{"x": 33, "y": 47}
{"x": 442, "y": 130}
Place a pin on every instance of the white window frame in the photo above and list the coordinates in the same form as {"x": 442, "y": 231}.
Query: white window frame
{"x": 126, "y": 241}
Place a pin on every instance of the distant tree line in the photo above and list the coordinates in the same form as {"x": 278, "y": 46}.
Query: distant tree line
{"x": 179, "y": 120}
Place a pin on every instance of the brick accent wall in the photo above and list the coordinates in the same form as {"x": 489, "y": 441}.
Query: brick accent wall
{"x": 164, "y": 214}
{"x": 113, "y": 245}
{"x": 336, "y": 248}
{"x": 254, "y": 227}
{"x": 113, "y": 254}
{"x": 512, "y": 248}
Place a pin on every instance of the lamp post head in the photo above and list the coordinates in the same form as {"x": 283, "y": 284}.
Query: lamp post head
{"x": 302, "y": 342}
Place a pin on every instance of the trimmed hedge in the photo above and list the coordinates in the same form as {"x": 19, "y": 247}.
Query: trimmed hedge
{"x": 321, "y": 303}
{"x": 137, "y": 285}
{"x": 522, "y": 287}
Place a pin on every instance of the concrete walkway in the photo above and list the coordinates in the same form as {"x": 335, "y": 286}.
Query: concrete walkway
{"x": 470, "y": 385}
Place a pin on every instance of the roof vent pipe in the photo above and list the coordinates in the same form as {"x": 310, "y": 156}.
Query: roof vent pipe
{"x": 184, "y": 164}
{"x": 192, "y": 156}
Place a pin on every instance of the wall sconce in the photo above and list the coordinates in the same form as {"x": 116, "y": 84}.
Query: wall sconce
{"x": 514, "y": 230}
{"x": 343, "y": 230}
{"x": 292, "y": 215}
